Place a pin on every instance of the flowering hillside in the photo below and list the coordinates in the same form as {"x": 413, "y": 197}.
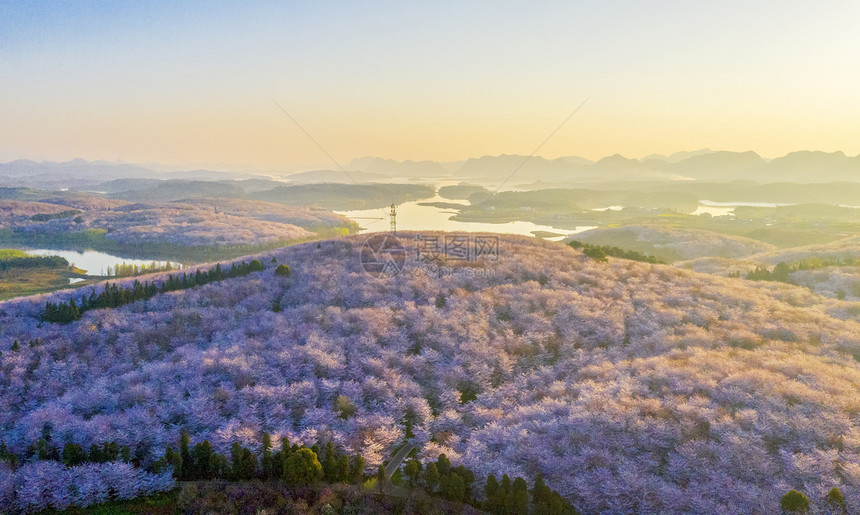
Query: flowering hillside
{"x": 14, "y": 212}
{"x": 844, "y": 248}
{"x": 827, "y": 269}
{"x": 631, "y": 387}
{"x": 197, "y": 223}
{"x": 181, "y": 224}
{"x": 301, "y": 216}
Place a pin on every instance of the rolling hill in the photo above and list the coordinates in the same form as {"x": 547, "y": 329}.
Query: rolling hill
{"x": 674, "y": 244}
{"x": 631, "y": 387}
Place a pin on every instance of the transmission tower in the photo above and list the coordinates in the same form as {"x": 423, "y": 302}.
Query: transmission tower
{"x": 393, "y": 215}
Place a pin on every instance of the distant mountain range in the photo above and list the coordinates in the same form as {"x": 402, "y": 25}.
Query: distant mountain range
{"x": 677, "y": 157}
{"x": 82, "y": 174}
{"x": 704, "y": 164}
{"x": 803, "y": 166}
{"x": 393, "y": 168}
{"x": 335, "y": 176}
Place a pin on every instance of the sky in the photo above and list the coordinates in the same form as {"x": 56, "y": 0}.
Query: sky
{"x": 192, "y": 83}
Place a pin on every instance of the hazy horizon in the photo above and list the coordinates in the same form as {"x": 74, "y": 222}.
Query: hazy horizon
{"x": 328, "y": 166}
{"x": 193, "y": 84}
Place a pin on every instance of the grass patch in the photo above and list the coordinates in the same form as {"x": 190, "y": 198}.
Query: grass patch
{"x": 32, "y": 281}
{"x": 12, "y": 253}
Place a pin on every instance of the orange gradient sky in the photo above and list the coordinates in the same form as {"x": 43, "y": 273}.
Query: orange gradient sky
{"x": 191, "y": 85}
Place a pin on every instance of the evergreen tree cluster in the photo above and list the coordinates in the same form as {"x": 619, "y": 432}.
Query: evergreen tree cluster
{"x": 513, "y": 497}
{"x": 114, "y": 296}
{"x": 795, "y": 501}
{"x": 72, "y": 453}
{"x": 601, "y": 252}
{"x": 779, "y": 273}
{"x": 298, "y": 466}
{"x": 33, "y": 262}
{"x": 16, "y": 345}
{"x": 131, "y": 269}
{"x": 450, "y": 483}
{"x": 295, "y": 465}
{"x": 507, "y": 497}
{"x": 781, "y": 270}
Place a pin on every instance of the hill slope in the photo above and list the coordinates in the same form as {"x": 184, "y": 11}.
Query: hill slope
{"x": 629, "y": 386}
{"x": 673, "y": 244}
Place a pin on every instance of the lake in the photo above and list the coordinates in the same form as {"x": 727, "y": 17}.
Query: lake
{"x": 414, "y": 217}
{"x": 727, "y": 208}
{"x": 411, "y": 216}
{"x": 94, "y": 262}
